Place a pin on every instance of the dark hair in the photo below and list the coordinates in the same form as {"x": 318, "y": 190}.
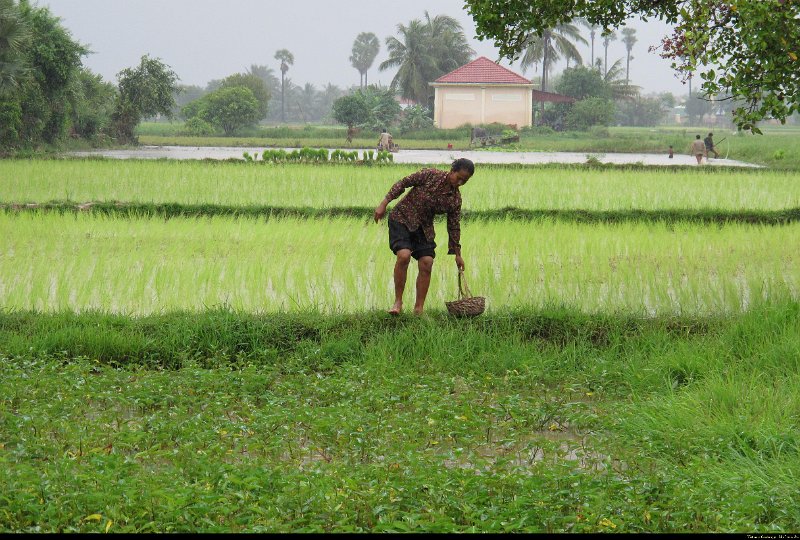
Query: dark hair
{"x": 710, "y": 134}
{"x": 697, "y": 137}
{"x": 463, "y": 164}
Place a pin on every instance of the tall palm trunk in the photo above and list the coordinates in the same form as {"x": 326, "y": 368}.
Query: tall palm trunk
{"x": 283, "y": 96}
{"x": 628, "y": 68}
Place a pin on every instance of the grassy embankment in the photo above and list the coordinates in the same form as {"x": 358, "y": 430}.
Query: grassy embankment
{"x": 543, "y": 420}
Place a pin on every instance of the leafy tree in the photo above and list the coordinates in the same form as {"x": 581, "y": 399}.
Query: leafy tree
{"x": 92, "y": 104}
{"x": 54, "y": 60}
{"x": 350, "y": 110}
{"x": 748, "y": 48}
{"x": 581, "y": 82}
{"x": 185, "y": 94}
{"x": 365, "y": 49}
{"x": 697, "y": 106}
{"x": 382, "y": 107}
{"x": 372, "y": 108}
{"x": 593, "y": 111}
{"x": 256, "y": 85}
{"x": 286, "y": 59}
{"x": 629, "y": 39}
{"x": 642, "y": 111}
{"x": 424, "y": 51}
{"x": 231, "y": 109}
{"x": 144, "y": 91}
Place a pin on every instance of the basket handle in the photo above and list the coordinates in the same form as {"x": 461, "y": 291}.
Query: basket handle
{"x": 462, "y": 285}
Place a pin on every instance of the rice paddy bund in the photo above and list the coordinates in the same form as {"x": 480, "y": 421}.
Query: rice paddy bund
{"x": 201, "y": 370}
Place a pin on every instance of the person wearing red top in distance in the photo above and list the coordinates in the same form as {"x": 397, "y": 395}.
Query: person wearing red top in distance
{"x": 411, "y": 231}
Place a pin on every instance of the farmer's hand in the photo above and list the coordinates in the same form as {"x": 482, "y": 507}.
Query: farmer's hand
{"x": 380, "y": 211}
{"x": 460, "y": 262}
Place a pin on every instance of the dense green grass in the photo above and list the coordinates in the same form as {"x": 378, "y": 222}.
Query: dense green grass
{"x": 147, "y": 264}
{"x": 527, "y": 421}
{"x": 336, "y": 186}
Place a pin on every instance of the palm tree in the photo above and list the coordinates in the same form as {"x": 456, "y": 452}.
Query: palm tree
{"x": 450, "y": 46}
{"x": 365, "y": 49}
{"x": 628, "y": 38}
{"x": 287, "y": 59}
{"x": 607, "y": 39}
{"x": 620, "y": 89}
{"x": 14, "y": 37}
{"x": 425, "y": 51}
{"x": 308, "y": 101}
{"x": 550, "y": 46}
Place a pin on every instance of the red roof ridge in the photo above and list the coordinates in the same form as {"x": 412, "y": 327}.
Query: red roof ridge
{"x": 483, "y": 71}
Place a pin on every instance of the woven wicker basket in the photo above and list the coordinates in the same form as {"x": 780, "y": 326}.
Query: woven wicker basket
{"x": 467, "y": 305}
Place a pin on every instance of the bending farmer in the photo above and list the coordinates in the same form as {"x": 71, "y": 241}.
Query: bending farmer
{"x": 411, "y": 231}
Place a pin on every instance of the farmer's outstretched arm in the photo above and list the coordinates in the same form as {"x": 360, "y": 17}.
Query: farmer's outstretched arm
{"x": 399, "y": 187}
{"x": 454, "y": 236}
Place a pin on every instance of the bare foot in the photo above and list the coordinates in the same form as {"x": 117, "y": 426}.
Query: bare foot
{"x": 396, "y": 309}
{"x": 418, "y": 311}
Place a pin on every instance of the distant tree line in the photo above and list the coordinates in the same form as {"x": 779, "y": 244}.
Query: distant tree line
{"x": 47, "y": 95}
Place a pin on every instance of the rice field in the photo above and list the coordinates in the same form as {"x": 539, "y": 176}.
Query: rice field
{"x": 56, "y": 262}
{"x": 554, "y": 188}
{"x": 163, "y": 373}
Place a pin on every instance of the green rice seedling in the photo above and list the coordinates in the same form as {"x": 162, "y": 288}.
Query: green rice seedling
{"x": 292, "y": 185}
{"x": 142, "y": 265}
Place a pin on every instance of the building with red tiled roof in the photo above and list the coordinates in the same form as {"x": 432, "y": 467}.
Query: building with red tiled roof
{"x": 483, "y": 92}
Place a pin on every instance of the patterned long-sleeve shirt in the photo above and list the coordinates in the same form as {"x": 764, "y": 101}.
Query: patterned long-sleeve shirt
{"x": 431, "y": 194}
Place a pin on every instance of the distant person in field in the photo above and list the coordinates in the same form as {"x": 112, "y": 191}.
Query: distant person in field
{"x": 411, "y": 231}
{"x": 709, "y": 142}
{"x": 385, "y": 140}
{"x": 698, "y": 149}
{"x": 351, "y": 132}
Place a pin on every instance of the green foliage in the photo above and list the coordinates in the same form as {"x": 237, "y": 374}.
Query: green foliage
{"x": 230, "y": 109}
{"x": 92, "y": 101}
{"x": 581, "y": 82}
{"x": 15, "y": 35}
{"x": 371, "y": 108}
{"x": 39, "y": 64}
{"x": 11, "y": 124}
{"x": 415, "y": 118}
{"x": 589, "y": 112}
{"x": 750, "y": 53}
{"x": 197, "y": 127}
{"x": 144, "y": 91}
{"x": 423, "y": 52}
{"x": 640, "y": 111}
{"x": 350, "y": 110}
{"x": 256, "y": 85}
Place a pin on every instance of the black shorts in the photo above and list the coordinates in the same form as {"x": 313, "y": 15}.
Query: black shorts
{"x": 401, "y": 238}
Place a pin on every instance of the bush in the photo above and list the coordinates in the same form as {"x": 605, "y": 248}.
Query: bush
{"x": 197, "y": 127}
{"x": 533, "y": 131}
{"x": 590, "y": 112}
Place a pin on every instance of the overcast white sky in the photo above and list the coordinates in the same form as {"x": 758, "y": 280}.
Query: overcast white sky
{"x": 204, "y": 39}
